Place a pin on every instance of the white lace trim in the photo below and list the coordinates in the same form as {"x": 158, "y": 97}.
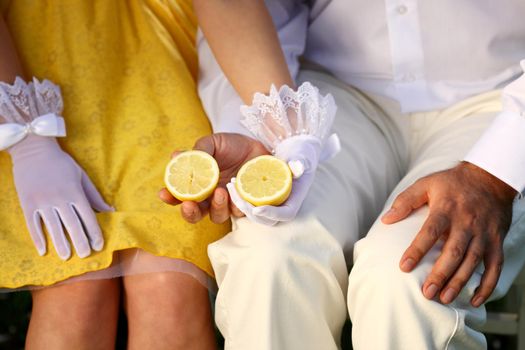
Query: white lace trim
{"x": 286, "y": 113}
{"x": 23, "y": 102}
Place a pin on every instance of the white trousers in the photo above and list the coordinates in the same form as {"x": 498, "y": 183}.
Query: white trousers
{"x": 287, "y": 287}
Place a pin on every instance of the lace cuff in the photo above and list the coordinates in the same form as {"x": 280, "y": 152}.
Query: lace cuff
{"x": 286, "y": 113}
{"x": 33, "y": 107}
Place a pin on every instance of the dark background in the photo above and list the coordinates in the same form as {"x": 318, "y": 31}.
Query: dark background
{"x": 15, "y": 309}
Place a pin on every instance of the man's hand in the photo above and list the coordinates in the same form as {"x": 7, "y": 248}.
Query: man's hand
{"x": 231, "y": 151}
{"x": 471, "y": 211}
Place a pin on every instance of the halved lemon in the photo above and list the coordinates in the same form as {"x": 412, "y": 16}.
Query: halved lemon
{"x": 264, "y": 180}
{"x": 192, "y": 176}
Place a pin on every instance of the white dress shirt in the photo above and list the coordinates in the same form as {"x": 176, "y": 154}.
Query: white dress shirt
{"x": 425, "y": 54}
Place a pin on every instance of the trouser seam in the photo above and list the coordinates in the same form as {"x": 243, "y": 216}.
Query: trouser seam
{"x": 455, "y": 330}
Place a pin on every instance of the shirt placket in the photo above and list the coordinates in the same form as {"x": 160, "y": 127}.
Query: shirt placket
{"x": 406, "y": 52}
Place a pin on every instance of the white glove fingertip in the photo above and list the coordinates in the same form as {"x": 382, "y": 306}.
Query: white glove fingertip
{"x": 264, "y": 220}
{"x": 73, "y": 224}
{"x": 90, "y": 224}
{"x": 97, "y": 245}
{"x": 37, "y": 235}
{"x": 297, "y": 168}
{"x": 274, "y": 213}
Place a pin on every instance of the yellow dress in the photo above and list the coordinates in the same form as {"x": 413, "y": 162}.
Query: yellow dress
{"x": 127, "y": 70}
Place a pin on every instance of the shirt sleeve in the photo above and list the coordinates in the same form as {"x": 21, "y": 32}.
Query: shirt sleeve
{"x": 220, "y": 100}
{"x": 501, "y": 149}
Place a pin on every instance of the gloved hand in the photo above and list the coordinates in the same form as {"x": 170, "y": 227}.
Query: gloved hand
{"x": 52, "y": 188}
{"x": 294, "y": 126}
{"x": 302, "y": 153}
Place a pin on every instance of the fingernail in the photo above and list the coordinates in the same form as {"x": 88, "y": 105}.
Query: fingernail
{"x": 219, "y": 199}
{"x": 98, "y": 245}
{"x": 430, "y": 291}
{"x": 389, "y": 212}
{"x": 448, "y": 296}
{"x": 408, "y": 264}
{"x": 477, "y": 301}
{"x": 187, "y": 212}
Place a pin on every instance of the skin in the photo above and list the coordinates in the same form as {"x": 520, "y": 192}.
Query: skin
{"x": 470, "y": 209}
{"x": 231, "y": 151}
{"x": 246, "y": 28}
{"x": 165, "y": 310}
{"x": 10, "y": 66}
{"x": 68, "y": 316}
{"x": 168, "y": 310}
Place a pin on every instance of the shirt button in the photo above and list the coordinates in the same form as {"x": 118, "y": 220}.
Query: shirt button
{"x": 402, "y": 9}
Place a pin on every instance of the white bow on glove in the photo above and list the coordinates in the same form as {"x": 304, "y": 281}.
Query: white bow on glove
{"x": 294, "y": 126}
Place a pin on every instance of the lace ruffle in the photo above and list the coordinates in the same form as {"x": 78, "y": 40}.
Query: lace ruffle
{"x": 23, "y": 102}
{"x": 285, "y": 113}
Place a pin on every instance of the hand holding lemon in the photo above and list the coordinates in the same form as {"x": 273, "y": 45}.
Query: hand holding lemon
{"x": 230, "y": 151}
{"x": 193, "y": 176}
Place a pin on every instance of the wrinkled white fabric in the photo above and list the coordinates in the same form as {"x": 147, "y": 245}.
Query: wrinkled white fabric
{"x": 294, "y": 126}
{"x": 419, "y": 53}
{"x": 292, "y": 269}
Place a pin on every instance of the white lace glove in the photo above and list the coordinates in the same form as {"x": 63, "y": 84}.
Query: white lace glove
{"x": 51, "y": 187}
{"x": 294, "y": 125}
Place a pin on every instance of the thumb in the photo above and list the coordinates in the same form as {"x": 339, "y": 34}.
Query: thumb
{"x": 206, "y": 144}
{"x": 94, "y": 197}
{"x": 406, "y": 202}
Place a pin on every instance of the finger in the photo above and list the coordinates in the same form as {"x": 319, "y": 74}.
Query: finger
{"x": 219, "y": 209}
{"x": 246, "y": 207}
{"x": 176, "y": 153}
{"x": 279, "y": 213}
{"x": 460, "y": 278}
{"x": 35, "y": 231}
{"x": 168, "y": 198}
{"x": 493, "y": 264}
{"x": 434, "y": 226}
{"x": 236, "y": 212}
{"x": 93, "y": 195}
{"x": 90, "y": 224}
{"x": 51, "y": 219}
{"x": 239, "y": 207}
{"x": 75, "y": 230}
{"x": 407, "y": 201}
{"x": 191, "y": 212}
{"x": 448, "y": 262}
{"x": 206, "y": 144}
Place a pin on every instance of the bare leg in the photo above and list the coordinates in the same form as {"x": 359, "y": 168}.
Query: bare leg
{"x": 80, "y": 315}
{"x": 168, "y": 310}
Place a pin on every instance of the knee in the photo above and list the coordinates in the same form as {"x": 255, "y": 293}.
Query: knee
{"x": 264, "y": 251}
{"x": 84, "y": 298}
{"x": 172, "y": 305}
{"x": 376, "y": 281}
{"x": 85, "y": 307}
{"x": 174, "y": 297}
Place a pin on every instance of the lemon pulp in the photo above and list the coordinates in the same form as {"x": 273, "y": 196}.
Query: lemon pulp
{"x": 192, "y": 176}
{"x": 264, "y": 180}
